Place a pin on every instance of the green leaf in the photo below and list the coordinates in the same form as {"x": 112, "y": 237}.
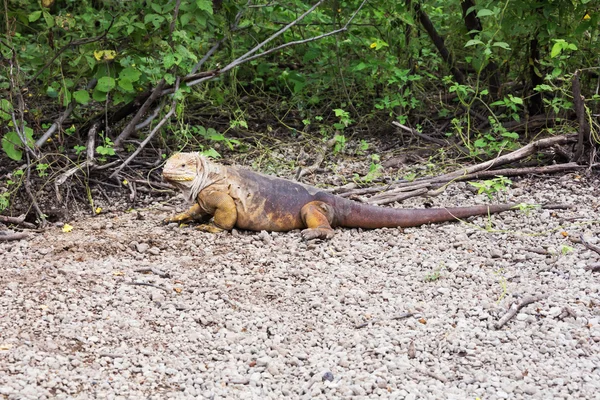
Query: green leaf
{"x": 484, "y": 12}
{"x": 5, "y": 109}
{"x": 168, "y": 60}
{"x": 34, "y": 16}
{"x": 130, "y": 73}
{"x": 543, "y": 88}
{"x": 105, "y": 84}
{"x": 211, "y": 153}
{"x": 10, "y": 145}
{"x": 51, "y": 92}
{"x": 186, "y": 18}
{"x": 556, "y": 49}
{"x": 480, "y": 143}
{"x": 516, "y": 100}
{"x": 99, "y": 95}
{"x": 503, "y": 45}
{"x": 511, "y": 135}
{"x": 49, "y": 19}
{"x": 205, "y": 5}
{"x": 126, "y": 85}
{"x": 473, "y": 42}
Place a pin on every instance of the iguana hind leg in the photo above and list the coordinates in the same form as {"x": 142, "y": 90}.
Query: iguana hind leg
{"x": 222, "y": 207}
{"x": 317, "y": 217}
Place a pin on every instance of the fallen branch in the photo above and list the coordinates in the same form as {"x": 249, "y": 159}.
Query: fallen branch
{"x": 484, "y": 170}
{"x": 515, "y": 307}
{"x": 593, "y": 267}
{"x": 135, "y": 283}
{"x": 12, "y": 236}
{"x": 375, "y": 321}
{"x": 154, "y": 271}
{"x": 16, "y": 221}
{"x": 588, "y": 245}
{"x": 393, "y": 196}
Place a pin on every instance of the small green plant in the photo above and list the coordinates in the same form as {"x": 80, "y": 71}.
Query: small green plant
{"x": 435, "y": 274}
{"x": 363, "y": 146}
{"x": 12, "y": 144}
{"x": 512, "y": 104}
{"x": 4, "y": 201}
{"x": 344, "y": 117}
{"x": 107, "y": 148}
{"x": 503, "y": 282}
{"x": 374, "y": 171}
{"x": 212, "y": 135}
{"x": 41, "y": 169}
{"x": 564, "y": 250}
{"x": 527, "y": 208}
{"x": 340, "y": 143}
{"x": 79, "y": 149}
{"x": 411, "y": 176}
{"x": 492, "y": 186}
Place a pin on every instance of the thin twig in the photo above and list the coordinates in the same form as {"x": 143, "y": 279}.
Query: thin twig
{"x": 515, "y": 307}
{"x": 588, "y": 245}
{"x": 375, "y": 321}
{"x": 150, "y": 136}
{"x": 153, "y": 270}
{"x": 58, "y": 123}
{"x": 130, "y": 128}
{"x": 136, "y": 283}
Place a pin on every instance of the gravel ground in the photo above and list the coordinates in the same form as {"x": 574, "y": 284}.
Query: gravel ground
{"x": 247, "y": 315}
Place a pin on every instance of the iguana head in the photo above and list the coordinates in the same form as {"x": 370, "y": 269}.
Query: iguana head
{"x": 189, "y": 172}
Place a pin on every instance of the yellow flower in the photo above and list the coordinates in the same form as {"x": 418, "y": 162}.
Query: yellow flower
{"x": 587, "y": 17}
{"x": 67, "y": 228}
{"x": 373, "y": 45}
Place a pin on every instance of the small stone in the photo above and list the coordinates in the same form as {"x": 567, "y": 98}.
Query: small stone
{"x": 142, "y": 247}
{"x": 153, "y": 250}
{"x": 327, "y": 376}
{"x": 262, "y": 361}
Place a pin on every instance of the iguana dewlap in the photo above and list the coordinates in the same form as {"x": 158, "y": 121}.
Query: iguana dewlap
{"x": 243, "y": 199}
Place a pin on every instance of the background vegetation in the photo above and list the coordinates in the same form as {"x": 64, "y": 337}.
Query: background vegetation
{"x": 86, "y": 85}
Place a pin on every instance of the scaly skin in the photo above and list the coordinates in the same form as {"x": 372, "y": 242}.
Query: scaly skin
{"x": 247, "y": 200}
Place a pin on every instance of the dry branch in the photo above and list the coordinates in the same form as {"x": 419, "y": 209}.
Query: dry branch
{"x": 6, "y": 236}
{"x": 483, "y": 170}
{"x": 584, "y": 127}
{"x": 16, "y": 221}
{"x": 130, "y": 128}
{"x": 588, "y": 245}
{"x": 60, "y": 120}
{"x": 515, "y": 307}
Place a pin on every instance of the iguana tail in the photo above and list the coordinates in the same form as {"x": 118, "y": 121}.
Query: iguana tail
{"x": 356, "y": 215}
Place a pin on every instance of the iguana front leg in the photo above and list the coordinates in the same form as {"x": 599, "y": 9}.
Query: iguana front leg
{"x": 194, "y": 213}
{"x": 317, "y": 217}
{"x": 222, "y": 207}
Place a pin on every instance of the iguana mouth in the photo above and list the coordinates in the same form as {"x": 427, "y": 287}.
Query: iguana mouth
{"x": 179, "y": 178}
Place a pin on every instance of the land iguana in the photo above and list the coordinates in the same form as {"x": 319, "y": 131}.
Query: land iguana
{"x": 243, "y": 199}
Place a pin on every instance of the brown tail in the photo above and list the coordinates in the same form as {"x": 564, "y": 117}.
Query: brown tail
{"x": 356, "y": 215}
